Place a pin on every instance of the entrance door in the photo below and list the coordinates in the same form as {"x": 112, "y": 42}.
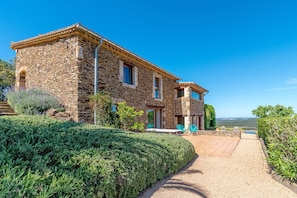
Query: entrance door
{"x": 158, "y": 119}
{"x": 22, "y": 80}
{"x": 155, "y": 118}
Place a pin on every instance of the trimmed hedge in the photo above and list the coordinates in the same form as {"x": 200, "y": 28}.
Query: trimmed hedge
{"x": 280, "y": 136}
{"x": 42, "y": 157}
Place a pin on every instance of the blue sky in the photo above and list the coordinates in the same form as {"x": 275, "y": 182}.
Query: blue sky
{"x": 244, "y": 52}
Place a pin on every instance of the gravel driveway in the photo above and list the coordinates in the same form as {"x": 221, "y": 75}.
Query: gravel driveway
{"x": 243, "y": 173}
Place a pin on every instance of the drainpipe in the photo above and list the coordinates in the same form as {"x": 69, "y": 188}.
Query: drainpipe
{"x": 96, "y": 75}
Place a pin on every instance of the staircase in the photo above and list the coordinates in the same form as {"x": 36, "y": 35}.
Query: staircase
{"x": 5, "y": 109}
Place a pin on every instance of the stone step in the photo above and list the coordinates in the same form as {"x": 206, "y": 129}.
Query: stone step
{"x": 7, "y": 114}
{"x": 5, "y": 109}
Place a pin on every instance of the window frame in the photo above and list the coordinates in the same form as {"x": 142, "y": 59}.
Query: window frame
{"x": 133, "y": 75}
{"x": 128, "y": 70}
{"x": 157, "y": 90}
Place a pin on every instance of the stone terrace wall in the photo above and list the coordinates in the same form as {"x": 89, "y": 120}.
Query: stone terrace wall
{"x": 108, "y": 76}
{"x": 220, "y": 133}
{"x": 52, "y": 66}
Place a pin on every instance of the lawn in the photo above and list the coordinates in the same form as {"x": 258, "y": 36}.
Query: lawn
{"x": 43, "y": 157}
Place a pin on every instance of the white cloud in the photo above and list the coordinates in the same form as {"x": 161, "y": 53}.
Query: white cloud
{"x": 292, "y": 81}
{"x": 282, "y": 88}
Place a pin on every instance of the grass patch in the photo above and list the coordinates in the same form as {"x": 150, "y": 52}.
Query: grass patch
{"x": 42, "y": 157}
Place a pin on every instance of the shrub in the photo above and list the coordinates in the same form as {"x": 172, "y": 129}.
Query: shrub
{"x": 32, "y": 101}
{"x": 280, "y": 137}
{"x": 101, "y": 102}
{"x": 43, "y": 157}
{"x": 127, "y": 116}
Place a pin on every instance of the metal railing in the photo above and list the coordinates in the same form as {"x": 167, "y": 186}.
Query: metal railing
{"x": 3, "y": 97}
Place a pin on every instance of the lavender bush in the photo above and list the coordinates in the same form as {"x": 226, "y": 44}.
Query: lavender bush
{"x": 32, "y": 101}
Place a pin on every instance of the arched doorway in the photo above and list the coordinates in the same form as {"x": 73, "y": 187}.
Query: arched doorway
{"x": 22, "y": 80}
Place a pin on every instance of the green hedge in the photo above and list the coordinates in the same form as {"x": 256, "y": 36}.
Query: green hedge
{"x": 280, "y": 136}
{"x": 42, "y": 157}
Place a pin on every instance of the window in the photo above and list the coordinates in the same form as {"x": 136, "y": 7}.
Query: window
{"x": 157, "y": 86}
{"x": 180, "y": 93}
{"x": 195, "y": 95}
{"x": 151, "y": 118}
{"x": 154, "y": 118}
{"x": 180, "y": 120}
{"x": 128, "y": 75}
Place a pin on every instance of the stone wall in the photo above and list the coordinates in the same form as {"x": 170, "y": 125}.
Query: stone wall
{"x": 189, "y": 107}
{"x": 141, "y": 97}
{"x": 65, "y": 68}
{"x": 52, "y": 66}
{"x": 220, "y": 133}
{"x": 197, "y": 107}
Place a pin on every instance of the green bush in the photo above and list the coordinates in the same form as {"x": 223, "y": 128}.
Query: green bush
{"x": 263, "y": 128}
{"x": 280, "y": 136}
{"x": 102, "y": 102}
{"x": 32, "y": 101}
{"x": 43, "y": 157}
{"x": 210, "y": 117}
{"x": 127, "y": 117}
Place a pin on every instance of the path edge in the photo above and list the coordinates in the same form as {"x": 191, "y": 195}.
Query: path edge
{"x": 147, "y": 193}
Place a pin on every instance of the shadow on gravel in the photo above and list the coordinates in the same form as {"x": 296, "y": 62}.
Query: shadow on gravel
{"x": 184, "y": 186}
{"x": 169, "y": 183}
{"x": 191, "y": 172}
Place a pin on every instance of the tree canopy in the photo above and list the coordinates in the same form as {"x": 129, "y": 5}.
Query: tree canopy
{"x": 7, "y": 74}
{"x": 210, "y": 117}
{"x": 273, "y": 111}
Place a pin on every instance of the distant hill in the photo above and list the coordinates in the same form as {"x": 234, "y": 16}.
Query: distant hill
{"x": 245, "y": 123}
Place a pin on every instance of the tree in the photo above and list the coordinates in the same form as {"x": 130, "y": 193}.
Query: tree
{"x": 210, "y": 117}
{"x": 273, "y": 111}
{"x": 7, "y": 75}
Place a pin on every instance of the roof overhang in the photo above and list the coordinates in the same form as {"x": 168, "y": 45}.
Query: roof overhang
{"x": 193, "y": 85}
{"x": 81, "y": 31}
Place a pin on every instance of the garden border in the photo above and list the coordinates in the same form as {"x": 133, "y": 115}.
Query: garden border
{"x": 276, "y": 177}
{"x": 147, "y": 193}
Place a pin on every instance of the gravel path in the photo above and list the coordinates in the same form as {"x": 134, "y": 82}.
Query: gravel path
{"x": 243, "y": 174}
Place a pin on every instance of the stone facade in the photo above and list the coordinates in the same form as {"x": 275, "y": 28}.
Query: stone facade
{"x": 64, "y": 66}
{"x": 62, "y": 62}
{"x": 191, "y": 110}
{"x": 51, "y": 66}
{"x": 139, "y": 97}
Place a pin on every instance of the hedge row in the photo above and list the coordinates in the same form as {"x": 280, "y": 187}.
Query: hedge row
{"x": 280, "y": 136}
{"x": 42, "y": 157}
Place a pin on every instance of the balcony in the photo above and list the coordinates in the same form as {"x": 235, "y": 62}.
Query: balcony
{"x": 184, "y": 104}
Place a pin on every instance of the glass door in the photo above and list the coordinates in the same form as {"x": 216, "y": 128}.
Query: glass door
{"x": 155, "y": 118}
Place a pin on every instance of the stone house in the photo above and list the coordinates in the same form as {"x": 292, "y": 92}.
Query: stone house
{"x": 189, "y": 104}
{"x": 62, "y": 62}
